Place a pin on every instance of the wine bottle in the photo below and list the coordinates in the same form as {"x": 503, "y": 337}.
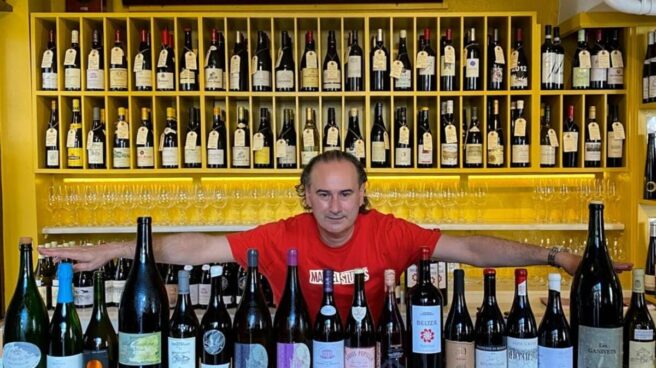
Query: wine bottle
{"x": 402, "y": 67}
{"x": 194, "y": 283}
{"x": 96, "y": 64}
{"x": 570, "y": 140}
{"x": 592, "y": 147}
{"x": 646, "y": 63}
{"x": 100, "y": 342}
{"x": 459, "y": 329}
{"x": 241, "y": 151}
{"x": 49, "y": 81}
{"x": 43, "y": 279}
{"x": 521, "y": 328}
{"x": 354, "y": 141}
{"x": 600, "y": 58}
{"x": 472, "y": 68}
{"x": 215, "y": 334}
{"x": 548, "y": 53}
{"x": 548, "y": 138}
{"x": 390, "y": 346}
{"x": 83, "y": 289}
{"x": 263, "y": 142}
{"x": 425, "y": 318}
{"x": 651, "y": 53}
{"x": 121, "y": 144}
{"x": 425, "y": 63}
{"x": 650, "y": 168}
{"x": 145, "y": 143}
{"x": 215, "y": 63}
{"x": 230, "y": 288}
{"x": 328, "y": 333}
{"x": 448, "y": 64}
{"x": 171, "y": 284}
{"x": 205, "y": 286}
{"x": 496, "y": 152}
{"x": 490, "y": 344}
{"x": 252, "y": 324}
{"x": 169, "y": 141}
{"x": 183, "y": 328}
{"x": 519, "y": 69}
{"x": 582, "y": 63}
{"x": 425, "y": 156}
{"x": 262, "y": 64}
{"x": 639, "y": 338}
{"x": 66, "y": 342}
{"x": 520, "y": 143}
{"x": 239, "y": 65}
{"x": 285, "y": 66}
{"x": 360, "y": 341}
{"x": 120, "y": 278}
{"x": 74, "y": 145}
{"x": 143, "y": 64}
{"x": 25, "y": 335}
{"x": 292, "y": 321}
{"x": 188, "y": 65}
{"x": 596, "y": 287}
{"x": 449, "y": 139}
{"x": 192, "y": 150}
{"x": 559, "y": 67}
{"x": 380, "y": 64}
{"x": 403, "y": 144}
{"x": 52, "y": 138}
{"x": 166, "y": 64}
{"x": 143, "y": 314}
{"x": 616, "y": 136}
{"x": 72, "y": 72}
{"x": 286, "y": 143}
{"x": 474, "y": 142}
{"x": 216, "y": 141}
{"x": 331, "y": 136}
{"x": 650, "y": 266}
{"x": 310, "y": 138}
{"x": 355, "y": 65}
{"x": 332, "y": 69}
{"x": 554, "y": 340}
{"x": 118, "y": 65}
{"x": 309, "y": 65}
{"x": 96, "y": 140}
{"x": 496, "y": 63}
{"x": 379, "y": 139}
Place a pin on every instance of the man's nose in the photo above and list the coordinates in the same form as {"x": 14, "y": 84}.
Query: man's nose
{"x": 335, "y": 205}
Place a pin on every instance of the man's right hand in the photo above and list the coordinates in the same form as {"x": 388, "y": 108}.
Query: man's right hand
{"x": 90, "y": 258}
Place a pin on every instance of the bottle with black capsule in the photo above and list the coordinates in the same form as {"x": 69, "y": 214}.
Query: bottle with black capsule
{"x": 459, "y": 329}
{"x": 328, "y": 333}
{"x": 490, "y": 343}
{"x": 216, "y": 335}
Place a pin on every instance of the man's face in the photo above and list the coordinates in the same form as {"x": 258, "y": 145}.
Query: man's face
{"x": 334, "y": 196}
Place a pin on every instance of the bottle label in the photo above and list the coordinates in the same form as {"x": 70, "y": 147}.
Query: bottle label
{"x": 145, "y": 157}
{"x": 472, "y": 69}
{"x": 118, "y": 78}
{"x": 615, "y": 146}
{"x": 558, "y": 70}
{"x": 641, "y": 354}
{"x": 459, "y": 354}
{"x": 378, "y": 152}
{"x": 204, "y": 293}
{"x": 83, "y": 296}
{"x": 53, "y": 158}
{"x": 403, "y": 157}
{"x": 380, "y": 61}
{"x": 332, "y": 78}
{"x": 20, "y": 354}
{"x": 332, "y": 138}
{"x": 203, "y": 365}
{"x": 493, "y": 358}
{"x": 170, "y": 156}
{"x": 117, "y": 290}
{"x": 520, "y": 153}
{"x": 645, "y": 88}
{"x": 597, "y": 73}
{"x": 652, "y": 86}
{"x": 293, "y": 355}
{"x": 121, "y": 158}
{"x": 570, "y": 142}
{"x": 548, "y": 64}
{"x": 448, "y": 69}
{"x": 522, "y": 353}
{"x": 547, "y": 155}
{"x": 214, "y": 78}
{"x": 581, "y": 77}
{"x": 46, "y": 61}
{"x": 193, "y": 293}
{"x": 310, "y": 78}
{"x": 616, "y": 76}
{"x": 187, "y": 76}
{"x": 285, "y": 79}
{"x": 328, "y": 354}
{"x": 214, "y": 342}
{"x": 329, "y": 310}
{"x": 235, "y": 65}
{"x": 49, "y": 80}
{"x": 95, "y": 153}
{"x": 495, "y": 156}
{"x": 182, "y": 352}
{"x": 405, "y": 80}
{"x": 429, "y": 69}
{"x": 643, "y": 335}
{"x": 139, "y": 349}
{"x": 172, "y": 294}
{"x": 289, "y": 156}
{"x": 474, "y": 154}
{"x": 216, "y": 157}
{"x": 95, "y": 79}
{"x": 307, "y": 156}
{"x": 354, "y": 69}
{"x": 359, "y": 357}
{"x": 600, "y": 347}
{"x": 165, "y": 81}
{"x": 109, "y": 292}
{"x": 425, "y": 151}
{"x": 450, "y": 154}
{"x": 262, "y": 78}
{"x": 64, "y": 362}
{"x": 241, "y": 156}
{"x": 497, "y": 74}
{"x": 144, "y": 79}
{"x": 592, "y": 151}
{"x": 650, "y": 282}
{"x": 251, "y": 355}
{"x": 72, "y": 77}
{"x": 426, "y": 329}
{"x": 74, "y": 156}
{"x": 555, "y": 357}
{"x": 519, "y": 77}
{"x": 96, "y": 359}
{"x": 192, "y": 155}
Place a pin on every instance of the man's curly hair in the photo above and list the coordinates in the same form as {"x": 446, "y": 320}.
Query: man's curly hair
{"x": 330, "y": 156}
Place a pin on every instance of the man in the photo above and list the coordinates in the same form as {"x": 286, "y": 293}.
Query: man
{"x": 339, "y": 233}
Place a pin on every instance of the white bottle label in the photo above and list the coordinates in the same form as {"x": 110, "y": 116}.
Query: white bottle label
{"x": 474, "y": 154}
{"x": 520, "y": 153}
{"x": 204, "y": 293}
{"x": 430, "y": 66}
{"x": 216, "y": 157}
{"x": 83, "y": 296}
{"x": 378, "y": 152}
{"x": 403, "y": 157}
{"x": 426, "y": 329}
{"x": 182, "y": 352}
{"x": 20, "y": 354}
{"x": 262, "y": 78}
{"x": 214, "y": 78}
{"x": 641, "y": 354}
{"x": 65, "y": 362}
{"x": 327, "y": 354}
{"x": 49, "y": 80}
{"x": 600, "y": 347}
{"x": 472, "y": 69}
{"x": 592, "y": 151}
{"x": 193, "y": 293}
{"x": 95, "y": 79}
{"x": 117, "y": 290}
{"x": 615, "y": 146}
{"x": 72, "y": 78}
{"x": 203, "y": 365}
{"x": 165, "y": 81}
{"x": 121, "y": 158}
{"x": 354, "y": 66}
{"x": 548, "y": 63}
{"x": 491, "y": 358}
{"x": 555, "y": 357}
{"x": 285, "y": 79}
{"x": 450, "y": 154}
{"x": 170, "y": 156}
{"x": 139, "y": 349}
{"x": 53, "y": 157}
{"x": 522, "y": 353}
{"x": 95, "y": 153}
{"x": 650, "y": 282}
{"x": 241, "y": 156}
{"x": 192, "y": 155}
{"x": 359, "y": 357}
{"x": 145, "y": 156}
{"x": 547, "y": 155}
{"x": 118, "y": 78}
{"x": 570, "y": 142}
{"x": 251, "y": 356}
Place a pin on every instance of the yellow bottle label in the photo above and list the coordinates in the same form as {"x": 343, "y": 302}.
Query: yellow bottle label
{"x": 74, "y": 157}
{"x": 262, "y": 156}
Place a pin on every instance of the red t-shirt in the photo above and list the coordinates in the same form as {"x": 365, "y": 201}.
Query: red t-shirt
{"x": 379, "y": 242}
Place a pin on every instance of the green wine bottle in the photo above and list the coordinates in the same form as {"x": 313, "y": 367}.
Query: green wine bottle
{"x": 100, "y": 341}
{"x": 65, "y": 348}
{"x": 25, "y": 335}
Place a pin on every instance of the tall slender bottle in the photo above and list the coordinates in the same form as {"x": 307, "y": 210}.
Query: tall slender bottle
{"x": 616, "y": 137}
{"x": 262, "y": 64}
{"x": 25, "y": 335}
{"x": 331, "y": 136}
{"x": 100, "y": 341}
{"x": 285, "y": 66}
{"x": 328, "y": 333}
{"x": 49, "y": 64}
{"x": 310, "y": 138}
{"x": 559, "y": 67}
{"x": 380, "y": 64}
{"x": 570, "y": 140}
{"x": 519, "y": 68}
{"x": 425, "y": 156}
{"x": 354, "y": 141}
{"x": 491, "y": 348}
{"x": 448, "y": 64}
{"x": 309, "y": 65}
{"x": 52, "y": 138}
{"x": 425, "y": 63}
{"x": 554, "y": 340}
{"x": 66, "y": 342}
{"x": 592, "y": 146}
{"x": 639, "y": 338}
{"x": 241, "y": 152}
{"x": 548, "y": 61}
{"x": 390, "y": 336}
{"x": 74, "y": 147}
{"x": 192, "y": 149}
{"x": 217, "y": 141}
{"x": 332, "y": 68}
{"x": 118, "y": 65}
{"x": 596, "y": 287}
{"x": 216, "y": 335}
{"x": 145, "y": 143}
{"x": 183, "y": 328}
{"x": 650, "y": 266}
{"x": 215, "y": 63}
{"x": 96, "y": 140}
{"x": 650, "y": 168}
{"x": 143, "y": 64}
{"x": 380, "y": 144}
{"x": 360, "y": 343}
{"x": 403, "y": 145}
{"x": 239, "y": 65}
{"x": 286, "y": 143}
{"x": 143, "y": 314}
{"x": 355, "y": 65}
{"x": 188, "y": 65}
{"x": 402, "y": 81}
{"x": 72, "y": 72}
{"x": 521, "y": 328}
{"x": 459, "y": 329}
{"x": 166, "y": 64}
{"x": 472, "y": 79}
{"x": 95, "y": 64}
{"x": 121, "y": 144}
{"x": 548, "y": 139}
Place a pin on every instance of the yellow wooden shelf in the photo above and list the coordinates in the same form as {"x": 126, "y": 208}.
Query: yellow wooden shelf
{"x": 584, "y": 92}
{"x": 647, "y": 202}
{"x": 648, "y": 106}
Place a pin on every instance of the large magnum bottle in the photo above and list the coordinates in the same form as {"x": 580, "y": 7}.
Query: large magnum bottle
{"x": 328, "y": 334}
{"x": 216, "y": 336}
{"x": 292, "y": 321}
{"x": 522, "y": 330}
{"x": 639, "y": 338}
{"x": 25, "y": 335}
{"x": 100, "y": 341}
{"x": 650, "y": 266}
{"x": 360, "y": 343}
{"x": 490, "y": 327}
{"x": 252, "y": 326}
{"x": 459, "y": 329}
{"x": 65, "y": 347}
{"x": 143, "y": 315}
{"x": 390, "y": 347}
{"x": 596, "y": 301}
{"x": 183, "y": 328}
{"x": 554, "y": 341}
